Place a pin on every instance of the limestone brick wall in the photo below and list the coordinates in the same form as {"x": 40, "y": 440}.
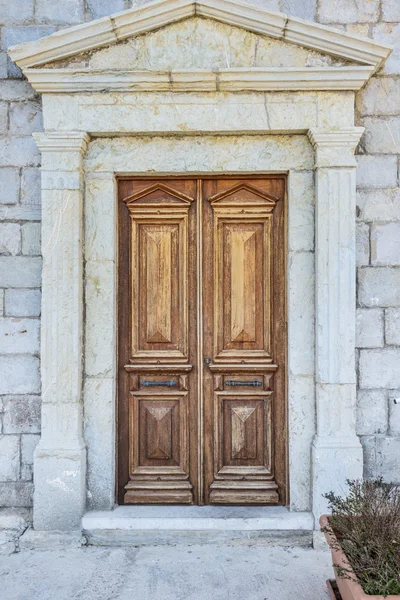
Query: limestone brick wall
{"x": 378, "y": 222}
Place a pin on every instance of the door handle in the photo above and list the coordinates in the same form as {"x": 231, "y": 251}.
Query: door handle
{"x": 253, "y": 383}
{"x": 169, "y": 383}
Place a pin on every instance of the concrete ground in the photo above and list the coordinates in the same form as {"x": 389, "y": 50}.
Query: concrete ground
{"x": 206, "y": 572}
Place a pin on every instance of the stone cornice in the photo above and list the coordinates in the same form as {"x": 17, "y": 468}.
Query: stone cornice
{"x": 237, "y": 80}
{"x": 65, "y": 141}
{"x": 336, "y": 147}
{"x": 108, "y": 30}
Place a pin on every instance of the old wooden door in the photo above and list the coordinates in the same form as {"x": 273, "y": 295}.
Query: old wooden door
{"x": 202, "y": 341}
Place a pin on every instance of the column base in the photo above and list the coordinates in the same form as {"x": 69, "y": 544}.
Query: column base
{"x": 60, "y": 489}
{"x": 334, "y": 460}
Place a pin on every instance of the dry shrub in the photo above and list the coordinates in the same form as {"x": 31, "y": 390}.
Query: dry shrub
{"x": 366, "y": 523}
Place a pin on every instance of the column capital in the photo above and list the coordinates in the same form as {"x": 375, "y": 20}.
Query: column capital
{"x": 62, "y": 141}
{"x": 335, "y": 147}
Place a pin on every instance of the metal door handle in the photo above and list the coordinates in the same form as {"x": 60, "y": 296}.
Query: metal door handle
{"x": 169, "y": 383}
{"x": 253, "y": 383}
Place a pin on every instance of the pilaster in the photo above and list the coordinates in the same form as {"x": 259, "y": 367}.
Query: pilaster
{"x": 336, "y": 450}
{"x": 60, "y": 457}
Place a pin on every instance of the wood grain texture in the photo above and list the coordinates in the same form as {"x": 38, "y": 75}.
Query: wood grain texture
{"x": 202, "y": 276}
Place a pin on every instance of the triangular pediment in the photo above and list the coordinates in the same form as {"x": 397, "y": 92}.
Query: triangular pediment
{"x": 137, "y": 21}
{"x": 198, "y": 43}
{"x": 243, "y": 193}
{"x": 210, "y": 45}
{"x": 158, "y": 193}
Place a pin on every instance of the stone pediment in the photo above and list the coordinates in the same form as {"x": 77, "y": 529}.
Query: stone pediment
{"x": 219, "y": 45}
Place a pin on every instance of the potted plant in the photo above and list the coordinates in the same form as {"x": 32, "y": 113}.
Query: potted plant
{"x": 363, "y": 533}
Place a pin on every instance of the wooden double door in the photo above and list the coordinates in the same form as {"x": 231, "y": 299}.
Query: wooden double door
{"x": 202, "y": 341}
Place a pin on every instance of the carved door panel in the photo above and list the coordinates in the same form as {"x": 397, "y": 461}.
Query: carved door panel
{"x": 201, "y": 398}
{"x": 244, "y": 341}
{"x": 158, "y": 352}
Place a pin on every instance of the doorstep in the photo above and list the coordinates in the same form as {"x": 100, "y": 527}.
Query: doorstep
{"x": 170, "y": 525}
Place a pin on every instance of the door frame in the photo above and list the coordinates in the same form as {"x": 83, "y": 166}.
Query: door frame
{"x": 281, "y": 441}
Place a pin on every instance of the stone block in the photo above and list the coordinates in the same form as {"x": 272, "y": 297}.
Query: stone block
{"x": 342, "y": 11}
{"x": 305, "y": 9}
{"x": 3, "y": 118}
{"x": 2, "y": 294}
{"x": 389, "y": 33}
{"x": 20, "y": 212}
{"x": 390, "y": 10}
{"x": 18, "y": 35}
{"x": 19, "y": 336}
{"x": 16, "y": 494}
{"x": 101, "y": 8}
{"x": 394, "y": 412}
{"x": 368, "y": 444}
{"x": 385, "y": 244}
{"x": 14, "y": 519}
{"x": 51, "y": 540}
{"x": 12, "y": 90}
{"x": 358, "y": 29}
{"x": 379, "y": 286}
{"x": 387, "y": 458}
{"x": 99, "y": 413}
{"x": 369, "y": 328}
{"x": 302, "y": 428}
{"x": 100, "y": 303}
{"x": 60, "y": 483}
{"x": 30, "y": 186}
{"x": 301, "y": 211}
{"x": 100, "y": 226}
{"x": 382, "y": 135}
{"x": 379, "y": 97}
{"x": 22, "y": 303}
{"x": 362, "y": 244}
{"x": 379, "y": 369}
{"x": 16, "y": 12}
{"x": 48, "y": 10}
{"x": 392, "y": 326}
{"x": 19, "y": 374}
{"x": 19, "y": 152}
{"x": 372, "y": 412}
{"x": 9, "y": 457}
{"x": 301, "y": 313}
{"x": 25, "y": 118}
{"x": 10, "y": 182}
{"x": 179, "y": 154}
{"x": 10, "y": 239}
{"x": 376, "y": 171}
{"x": 379, "y": 205}
{"x": 14, "y": 72}
{"x": 28, "y": 445}
{"x": 31, "y": 239}
{"x": 21, "y": 414}
{"x": 335, "y": 109}
{"x": 3, "y": 65}
{"x": 20, "y": 271}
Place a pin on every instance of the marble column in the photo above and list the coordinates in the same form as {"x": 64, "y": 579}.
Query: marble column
{"x": 60, "y": 457}
{"x": 336, "y": 450}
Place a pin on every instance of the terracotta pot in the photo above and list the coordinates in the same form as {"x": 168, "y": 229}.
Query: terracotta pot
{"x": 349, "y": 589}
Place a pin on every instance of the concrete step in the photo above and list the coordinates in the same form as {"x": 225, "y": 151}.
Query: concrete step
{"x": 171, "y": 525}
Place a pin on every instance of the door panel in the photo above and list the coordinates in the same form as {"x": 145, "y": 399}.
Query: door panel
{"x": 158, "y": 353}
{"x": 243, "y": 291}
{"x": 201, "y": 397}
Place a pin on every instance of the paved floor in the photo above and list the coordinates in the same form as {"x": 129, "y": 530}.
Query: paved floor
{"x": 166, "y": 573}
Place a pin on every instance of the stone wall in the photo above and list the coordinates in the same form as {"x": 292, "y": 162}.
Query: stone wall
{"x": 378, "y": 319}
